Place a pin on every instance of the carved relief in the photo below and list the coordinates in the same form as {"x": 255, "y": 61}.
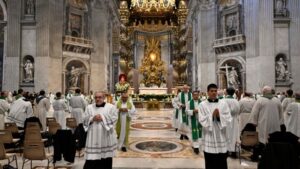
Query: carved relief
{"x": 280, "y": 8}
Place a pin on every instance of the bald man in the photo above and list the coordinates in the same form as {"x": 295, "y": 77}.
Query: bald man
{"x": 267, "y": 116}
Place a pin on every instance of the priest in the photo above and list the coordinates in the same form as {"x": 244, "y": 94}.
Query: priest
{"x": 77, "y": 104}
{"x": 246, "y": 105}
{"x": 175, "y": 122}
{"x": 192, "y": 108}
{"x": 182, "y": 99}
{"x": 292, "y": 120}
{"x": 126, "y": 111}
{"x": 233, "y": 131}
{"x": 214, "y": 116}
{"x": 101, "y": 144}
{"x": 267, "y": 116}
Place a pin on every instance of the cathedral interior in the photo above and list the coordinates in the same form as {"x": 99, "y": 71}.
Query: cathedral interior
{"x": 159, "y": 46}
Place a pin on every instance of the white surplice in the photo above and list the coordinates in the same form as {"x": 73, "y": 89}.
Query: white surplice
{"x": 60, "y": 107}
{"x": 246, "y": 105}
{"x": 77, "y": 105}
{"x": 214, "y": 138}
{"x": 19, "y": 111}
{"x": 233, "y": 131}
{"x": 292, "y": 120}
{"x": 267, "y": 115}
{"x": 42, "y": 109}
{"x": 4, "y": 107}
{"x": 175, "y": 122}
{"x": 101, "y": 139}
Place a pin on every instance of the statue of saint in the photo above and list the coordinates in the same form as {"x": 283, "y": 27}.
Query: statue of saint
{"x": 281, "y": 70}
{"x": 233, "y": 78}
{"x": 122, "y": 86}
{"x": 30, "y": 7}
{"x": 28, "y": 67}
{"x": 74, "y": 76}
{"x": 279, "y": 5}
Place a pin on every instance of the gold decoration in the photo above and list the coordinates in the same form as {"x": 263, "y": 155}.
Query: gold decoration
{"x": 152, "y": 5}
{"x": 153, "y": 68}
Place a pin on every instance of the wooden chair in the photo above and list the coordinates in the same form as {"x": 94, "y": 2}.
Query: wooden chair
{"x": 12, "y": 127}
{"x": 35, "y": 151}
{"x": 33, "y": 125}
{"x": 50, "y": 120}
{"x": 53, "y": 127}
{"x": 11, "y": 157}
{"x": 7, "y": 138}
{"x": 71, "y": 123}
{"x": 248, "y": 139}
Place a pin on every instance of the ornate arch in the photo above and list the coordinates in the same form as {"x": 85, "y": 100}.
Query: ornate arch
{"x": 70, "y": 59}
{"x": 3, "y": 6}
{"x": 238, "y": 59}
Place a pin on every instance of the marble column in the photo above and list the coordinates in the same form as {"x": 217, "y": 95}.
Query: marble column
{"x": 11, "y": 66}
{"x": 294, "y": 34}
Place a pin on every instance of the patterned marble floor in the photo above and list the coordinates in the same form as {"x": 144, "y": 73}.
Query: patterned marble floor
{"x": 149, "y": 126}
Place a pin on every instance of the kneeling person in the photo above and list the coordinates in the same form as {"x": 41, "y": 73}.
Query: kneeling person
{"x": 126, "y": 111}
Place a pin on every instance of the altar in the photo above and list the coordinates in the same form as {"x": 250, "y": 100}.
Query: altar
{"x": 153, "y": 90}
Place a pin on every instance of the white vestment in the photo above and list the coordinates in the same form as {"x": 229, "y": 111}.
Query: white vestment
{"x": 286, "y": 101}
{"x": 195, "y": 143}
{"x": 246, "y": 105}
{"x": 77, "y": 104}
{"x": 267, "y": 115}
{"x": 233, "y": 131}
{"x": 19, "y": 111}
{"x": 4, "y": 107}
{"x": 42, "y": 108}
{"x": 123, "y": 116}
{"x": 292, "y": 121}
{"x": 182, "y": 126}
{"x": 214, "y": 138}
{"x": 175, "y": 122}
{"x": 59, "y": 107}
{"x": 101, "y": 139}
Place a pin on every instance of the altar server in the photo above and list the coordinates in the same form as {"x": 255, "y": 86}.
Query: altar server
{"x": 183, "y": 97}
{"x": 126, "y": 110}
{"x": 192, "y": 108}
{"x": 101, "y": 144}
{"x": 175, "y": 111}
{"x": 4, "y": 107}
{"x": 214, "y": 116}
{"x": 233, "y": 132}
{"x": 20, "y": 110}
{"x": 59, "y": 107}
{"x": 43, "y": 106}
{"x": 292, "y": 121}
{"x": 77, "y": 105}
{"x": 246, "y": 105}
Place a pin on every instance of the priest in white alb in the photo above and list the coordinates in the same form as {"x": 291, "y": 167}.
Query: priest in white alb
{"x": 77, "y": 105}
{"x": 214, "y": 116}
{"x": 292, "y": 120}
{"x": 60, "y": 107}
{"x": 233, "y": 131}
{"x": 126, "y": 110}
{"x": 192, "y": 109}
{"x": 267, "y": 115}
{"x": 101, "y": 143}
{"x": 182, "y": 99}
{"x": 246, "y": 105}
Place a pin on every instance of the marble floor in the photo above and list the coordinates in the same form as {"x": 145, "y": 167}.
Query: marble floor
{"x": 153, "y": 144}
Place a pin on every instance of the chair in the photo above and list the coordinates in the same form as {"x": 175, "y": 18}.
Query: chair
{"x": 7, "y": 138}
{"x": 248, "y": 139}
{"x": 32, "y": 125}
{"x": 71, "y": 123}
{"x": 50, "y": 120}
{"x": 35, "y": 151}
{"x": 53, "y": 127}
{"x": 8, "y": 156}
{"x": 12, "y": 127}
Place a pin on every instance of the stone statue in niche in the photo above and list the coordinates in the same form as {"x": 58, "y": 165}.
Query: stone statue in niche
{"x": 282, "y": 73}
{"x": 74, "y": 76}
{"x": 281, "y": 8}
{"x": 28, "y": 68}
{"x": 233, "y": 78}
{"x": 30, "y": 7}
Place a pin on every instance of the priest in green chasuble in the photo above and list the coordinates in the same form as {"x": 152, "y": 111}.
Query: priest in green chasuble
{"x": 183, "y": 97}
{"x": 126, "y": 111}
{"x": 195, "y": 133}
